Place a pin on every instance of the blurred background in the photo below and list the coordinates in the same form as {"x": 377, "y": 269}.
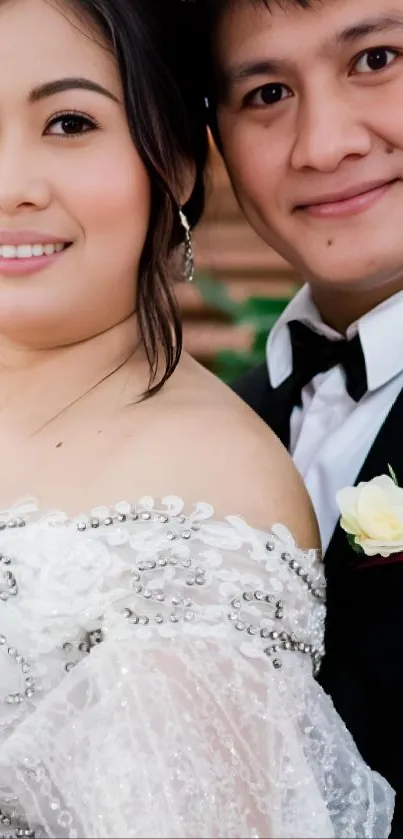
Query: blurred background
{"x": 241, "y": 286}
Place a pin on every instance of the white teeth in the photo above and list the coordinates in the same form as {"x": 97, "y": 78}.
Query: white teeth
{"x": 23, "y": 251}
{"x": 8, "y": 251}
{"x": 26, "y": 251}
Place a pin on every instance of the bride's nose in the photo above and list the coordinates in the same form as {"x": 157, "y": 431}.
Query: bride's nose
{"x": 22, "y": 185}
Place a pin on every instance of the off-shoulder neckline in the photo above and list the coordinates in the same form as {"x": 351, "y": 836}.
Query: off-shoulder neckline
{"x": 169, "y": 509}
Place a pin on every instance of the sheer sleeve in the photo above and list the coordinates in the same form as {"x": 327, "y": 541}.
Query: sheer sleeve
{"x": 190, "y": 709}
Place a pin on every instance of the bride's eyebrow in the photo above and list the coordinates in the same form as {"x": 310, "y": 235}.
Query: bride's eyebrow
{"x": 52, "y": 88}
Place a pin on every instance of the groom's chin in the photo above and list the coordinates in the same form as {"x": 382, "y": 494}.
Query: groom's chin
{"x": 354, "y": 268}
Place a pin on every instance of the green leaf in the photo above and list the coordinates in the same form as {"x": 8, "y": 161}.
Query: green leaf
{"x": 215, "y": 294}
{"x": 259, "y": 344}
{"x": 261, "y": 311}
{"x": 351, "y": 541}
{"x": 392, "y": 474}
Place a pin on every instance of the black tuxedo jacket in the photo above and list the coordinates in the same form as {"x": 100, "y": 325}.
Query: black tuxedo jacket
{"x": 363, "y": 665}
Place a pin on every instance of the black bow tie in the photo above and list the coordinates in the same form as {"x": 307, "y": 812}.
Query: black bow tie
{"x": 312, "y": 354}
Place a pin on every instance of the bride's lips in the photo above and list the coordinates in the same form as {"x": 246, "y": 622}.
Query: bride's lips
{"x": 26, "y": 252}
{"x": 348, "y": 202}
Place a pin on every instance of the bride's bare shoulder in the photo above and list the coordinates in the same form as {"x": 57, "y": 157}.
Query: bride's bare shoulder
{"x": 242, "y": 467}
{"x": 217, "y": 449}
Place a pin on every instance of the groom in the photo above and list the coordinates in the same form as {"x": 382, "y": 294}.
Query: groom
{"x": 307, "y": 108}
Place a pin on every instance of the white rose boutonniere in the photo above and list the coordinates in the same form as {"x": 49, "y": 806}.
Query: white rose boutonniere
{"x": 372, "y": 516}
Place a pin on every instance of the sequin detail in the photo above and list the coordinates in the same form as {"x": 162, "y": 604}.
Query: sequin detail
{"x": 152, "y": 634}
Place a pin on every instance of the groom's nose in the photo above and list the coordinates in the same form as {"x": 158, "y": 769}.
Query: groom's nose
{"x": 328, "y": 129}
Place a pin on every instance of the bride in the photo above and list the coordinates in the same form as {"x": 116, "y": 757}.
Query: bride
{"x": 159, "y": 631}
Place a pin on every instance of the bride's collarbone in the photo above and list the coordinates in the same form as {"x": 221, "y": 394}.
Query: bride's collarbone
{"x": 100, "y": 465}
{"x": 57, "y": 469}
{"x": 217, "y": 453}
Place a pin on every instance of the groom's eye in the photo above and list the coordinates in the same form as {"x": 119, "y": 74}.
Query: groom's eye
{"x": 267, "y": 94}
{"x": 375, "y": 60}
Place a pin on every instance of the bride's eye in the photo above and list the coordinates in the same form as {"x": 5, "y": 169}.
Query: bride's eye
{"x": 374, "y": 60}
{"x": 70, "y": 125}
{"x": 268, "y": 94}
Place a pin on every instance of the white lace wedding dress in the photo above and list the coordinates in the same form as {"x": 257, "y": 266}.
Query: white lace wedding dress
{"x": 156, "y": 680}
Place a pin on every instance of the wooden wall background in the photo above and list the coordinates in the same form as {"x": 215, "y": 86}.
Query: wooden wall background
{"x": 228, "y": 249}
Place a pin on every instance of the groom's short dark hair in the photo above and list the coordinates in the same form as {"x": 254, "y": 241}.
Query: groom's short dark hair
{"x": 218, "y": 6}
{"x": 210, "y": 11}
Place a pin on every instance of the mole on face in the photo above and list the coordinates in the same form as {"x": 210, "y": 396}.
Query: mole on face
{"x": 329, "y": 242}
{"x": 389, "y": 149}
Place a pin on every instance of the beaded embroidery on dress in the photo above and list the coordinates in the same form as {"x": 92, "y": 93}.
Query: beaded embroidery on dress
{"x": 157, "y": 681}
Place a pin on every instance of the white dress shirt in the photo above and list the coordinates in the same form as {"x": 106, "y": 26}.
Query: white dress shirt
{"x": 330, "y": 434}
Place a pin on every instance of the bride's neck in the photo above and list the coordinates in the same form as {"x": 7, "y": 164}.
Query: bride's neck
{"x": 37, "y": 386}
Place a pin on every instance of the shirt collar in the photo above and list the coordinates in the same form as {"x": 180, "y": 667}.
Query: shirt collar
{"x": 381, "y": 335}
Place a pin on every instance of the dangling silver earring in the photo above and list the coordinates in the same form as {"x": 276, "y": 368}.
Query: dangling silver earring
{"x": 188, "y": 257}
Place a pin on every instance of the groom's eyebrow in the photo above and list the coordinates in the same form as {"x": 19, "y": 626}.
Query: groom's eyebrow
{"x": 257, "y": 67}
{"x": 233, "y": 76}
{"x": 369, "y": 26}
{"x": 380, "y": 24}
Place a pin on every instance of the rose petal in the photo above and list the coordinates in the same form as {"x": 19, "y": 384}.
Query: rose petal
{"x": 347, "y": 499}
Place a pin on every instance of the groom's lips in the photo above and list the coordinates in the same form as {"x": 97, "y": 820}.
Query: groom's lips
{"x": 348, "y": 202}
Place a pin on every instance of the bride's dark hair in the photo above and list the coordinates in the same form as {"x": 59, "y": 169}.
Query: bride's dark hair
{"x": 164, "y": 98}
